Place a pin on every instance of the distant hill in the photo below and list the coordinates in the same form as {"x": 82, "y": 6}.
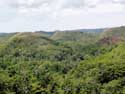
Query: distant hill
{"x": 29, "y": 39}
{"x": 113, "y": 35}
{"x": 44, "y": 33}
{"x": 29, "y": 46}
{"x": 114, "y": 32}
{"x": 87, "y": 30}
{"x": 74, "y": 36}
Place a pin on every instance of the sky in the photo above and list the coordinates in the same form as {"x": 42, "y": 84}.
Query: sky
{"x": 49, "y": 15}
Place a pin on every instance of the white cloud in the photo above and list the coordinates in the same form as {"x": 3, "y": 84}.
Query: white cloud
{"x": 60, "y": 13}
{"x": 119, "y": 1}
{"x": 107, "y": 8}
{"x": 59, "y": 5}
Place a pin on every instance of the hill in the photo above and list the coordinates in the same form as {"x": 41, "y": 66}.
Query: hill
{"x": 74, "y": 36}
{"x": 114, "y": 32}
{"x": 25, "y": 45}
{"x": 30, "y": 39}
{"x": 74, "y": 62}
{"x": 118, "y": 32}
{"x": 83, "y": 30}
{"x": 113, "y": 35}
{"x": 45, "y": 33}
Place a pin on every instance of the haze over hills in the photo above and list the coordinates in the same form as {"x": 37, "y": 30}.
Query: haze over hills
{"x": 63, "y": 62}
{"x": 78, "y": 30}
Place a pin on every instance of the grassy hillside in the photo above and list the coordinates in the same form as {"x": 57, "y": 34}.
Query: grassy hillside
{"x": 82, "y": 37}
{"x": 30, "y": 39}
{"x": 115, "y": 32}
{"x": 4, "y": 37}
{"x": 113, "y": 35}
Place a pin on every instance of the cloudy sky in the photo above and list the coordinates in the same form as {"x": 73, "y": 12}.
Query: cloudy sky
{"x": 32, "y": 15}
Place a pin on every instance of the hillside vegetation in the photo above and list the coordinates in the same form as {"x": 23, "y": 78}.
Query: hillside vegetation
{"x": 118, "y": 32}
{"x": 64, "y": 62}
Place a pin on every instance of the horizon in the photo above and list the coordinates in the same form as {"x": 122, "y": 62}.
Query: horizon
{"x": 69, "y": 30}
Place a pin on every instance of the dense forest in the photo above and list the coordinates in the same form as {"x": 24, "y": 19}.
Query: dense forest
{"x": 63, "y": 62}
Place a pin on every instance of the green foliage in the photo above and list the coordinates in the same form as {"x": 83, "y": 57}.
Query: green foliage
{"x": 117, "y": 32}
{"x": 63, "y": 63}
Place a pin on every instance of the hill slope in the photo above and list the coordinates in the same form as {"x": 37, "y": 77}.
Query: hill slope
{"x": 82, "y": 37}
{"x": 97, "y": 75}
{"x": 114, "y": 32}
